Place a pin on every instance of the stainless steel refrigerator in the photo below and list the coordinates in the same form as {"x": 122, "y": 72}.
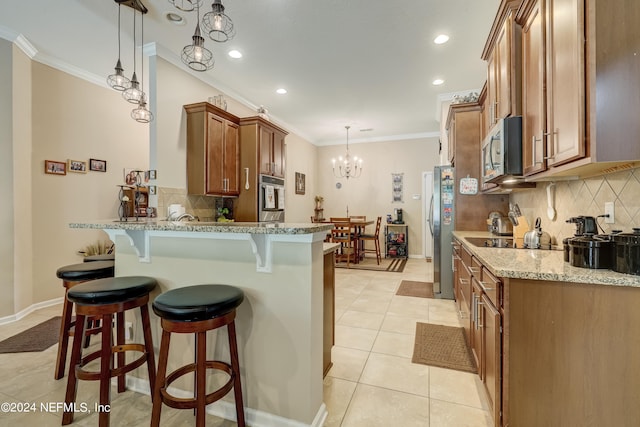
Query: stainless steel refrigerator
{"x": 441, "y": 220}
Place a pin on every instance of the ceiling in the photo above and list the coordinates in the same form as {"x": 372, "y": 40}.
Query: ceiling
{"x": 364, "y": 63}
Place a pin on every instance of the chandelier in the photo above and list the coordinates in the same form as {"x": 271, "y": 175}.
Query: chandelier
{"x": 347, "y": 167}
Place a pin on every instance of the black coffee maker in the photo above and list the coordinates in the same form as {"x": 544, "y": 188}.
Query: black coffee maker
{"x": 398, "y": 215}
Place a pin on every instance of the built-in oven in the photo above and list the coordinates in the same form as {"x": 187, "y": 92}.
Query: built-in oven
{"x": 271, "y": 199}
{"x": 502, "y": 151}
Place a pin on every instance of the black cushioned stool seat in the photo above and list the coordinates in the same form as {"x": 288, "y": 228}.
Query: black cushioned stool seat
{"x": 103, "y": 298}
{"x": 101, "y": 257}
{"x": 198, "y": 309}
{"x": 71, "y": 276}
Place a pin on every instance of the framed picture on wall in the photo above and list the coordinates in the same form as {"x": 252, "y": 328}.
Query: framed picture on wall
{"x": 54, "y": 167}
{"x": 77, "y": 166}
{"x": 98, "y": 165}
{"x": 300, "y": 183}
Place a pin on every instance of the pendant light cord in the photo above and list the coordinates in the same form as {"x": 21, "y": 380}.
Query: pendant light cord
{"x": 142, "y": 54}
{"x": 119, "y": 30}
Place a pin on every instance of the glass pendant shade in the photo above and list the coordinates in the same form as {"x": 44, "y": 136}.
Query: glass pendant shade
{"x": 195, "y": 55}
{"x": 218, "y": 26}
{"x": 133, "y": 94}
{"x": 142, "y": 114}
{"x": 118, "y": 80}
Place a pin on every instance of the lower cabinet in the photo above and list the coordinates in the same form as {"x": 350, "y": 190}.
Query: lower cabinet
{"x": 481, "y": 314}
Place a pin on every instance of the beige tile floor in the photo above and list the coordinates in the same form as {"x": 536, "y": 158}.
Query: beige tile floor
{"x": 372, "y": 383}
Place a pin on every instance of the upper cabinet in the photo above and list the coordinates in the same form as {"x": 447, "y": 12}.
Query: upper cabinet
{"x": 213, "y": 151}
{"x": 502, "y": 53}
{"x": 269, "y": 142}
{"x": 580, "y": 90}
{"x": 553, "y": 83}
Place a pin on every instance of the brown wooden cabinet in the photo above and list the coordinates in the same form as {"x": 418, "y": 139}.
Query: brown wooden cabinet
{"x": 579, "y": 86}
{"x": 270, "y": 142}
{"x": 262, "y": 146}
{"x": 481, "y": 299}
{"x": 553, "y": 83}
{"x": 502, "y": 53}
{"x": 463, "y": 127}
{"x": 213, "y": 151}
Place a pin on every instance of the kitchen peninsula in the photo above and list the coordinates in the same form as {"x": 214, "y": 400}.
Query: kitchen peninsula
{"x": 279, "y": 325}
{"x": 556, "y": 344}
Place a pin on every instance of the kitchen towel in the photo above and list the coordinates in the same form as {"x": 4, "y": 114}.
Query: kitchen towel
{"x": 269, "y": 197}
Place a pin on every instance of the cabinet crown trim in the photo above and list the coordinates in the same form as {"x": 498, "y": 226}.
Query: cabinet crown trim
{"x": 506, "y": 7}
{"x": 200, "y": 107}
{"x": 262, "y": 122}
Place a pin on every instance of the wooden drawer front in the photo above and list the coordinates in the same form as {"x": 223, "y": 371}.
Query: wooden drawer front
{"x": 466, "y": 256}
{"x": 476, "y": 268}
{"x": 492, "y": 287}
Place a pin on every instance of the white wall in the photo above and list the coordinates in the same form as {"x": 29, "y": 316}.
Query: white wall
{"x": 371, "y": 193}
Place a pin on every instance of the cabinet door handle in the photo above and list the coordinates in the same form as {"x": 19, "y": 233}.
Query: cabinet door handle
{"x": 474, "y": 270}
{"x": 534, "y": 146}
{"x": 478, "y": 324}
{"x": 463, "y": 281}
{"x": 555, "y": 132}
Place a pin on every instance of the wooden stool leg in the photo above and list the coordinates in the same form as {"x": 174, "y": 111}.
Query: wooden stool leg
{"x": 63, "y": 337}
{"x": 72, "y": 381}
{"x": 160, "y": 378}
{"x": 201, "y": 375}
{"x": 106, "y": 364}
{"x": 122, "y": 386}
{"x": 148, "y": 343}
{"x": 235, "y": 366}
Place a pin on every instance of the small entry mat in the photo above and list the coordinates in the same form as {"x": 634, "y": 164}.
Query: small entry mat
{"x": 442, "y": 346}
{"x": 410, "y": 288}
{"x": 37, "y": 338}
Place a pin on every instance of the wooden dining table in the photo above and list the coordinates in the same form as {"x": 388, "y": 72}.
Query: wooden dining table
{"x": 358, "y": 226}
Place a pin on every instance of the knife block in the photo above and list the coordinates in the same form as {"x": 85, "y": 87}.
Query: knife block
{"x": 519, "y": 230}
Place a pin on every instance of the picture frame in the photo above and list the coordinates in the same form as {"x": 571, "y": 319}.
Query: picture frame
{"x": 152, "y": 190}
{"x": 98, "y": 165}
{"x": 76, "y": 166}
{"x": 300, "y": 183}
{"x": 55, "y": 167}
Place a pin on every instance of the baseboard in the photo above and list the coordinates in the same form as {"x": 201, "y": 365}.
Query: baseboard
{"x": 227, "y": 410}
{"x": 33, "y": 307}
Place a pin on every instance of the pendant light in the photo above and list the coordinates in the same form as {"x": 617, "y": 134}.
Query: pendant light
{"x": 118, "y": 81}
{"x": 347, "y": 167}
{"x": 141, "y": 114}
{"x": 185, "y": 5}
{"x": 195, "y": 55}
{"x": 133, "y": 94}
{"x": 217, "y": 24}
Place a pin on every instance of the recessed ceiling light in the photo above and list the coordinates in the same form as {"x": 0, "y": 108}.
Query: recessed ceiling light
{"x": 437, "y": 82}
{"x": 235, "y": 54}
{"x": 442, "y": 38}
{"x": 281, "y": 91}
{"x": 174, "y": 18}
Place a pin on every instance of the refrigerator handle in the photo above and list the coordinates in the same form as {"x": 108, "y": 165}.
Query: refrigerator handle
{"x": 431, "y": 215}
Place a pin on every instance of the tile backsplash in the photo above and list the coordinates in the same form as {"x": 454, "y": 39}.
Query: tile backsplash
{"x": 204, "y": 207}
{"x": 584, "y": 197}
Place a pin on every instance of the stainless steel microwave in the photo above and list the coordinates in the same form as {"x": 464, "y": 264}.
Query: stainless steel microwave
{"x": 502, "y": 151}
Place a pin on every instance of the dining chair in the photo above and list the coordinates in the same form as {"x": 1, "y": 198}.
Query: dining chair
{"x": 343, "y": 233}
{"x": 376, "y": 240}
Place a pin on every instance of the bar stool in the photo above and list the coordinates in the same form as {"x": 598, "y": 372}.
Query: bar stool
{"x": 71, "y": 276}
{"x": 101, "y": 257}
{"x": 198, "y": 309}
{"x": 103, "y": 298}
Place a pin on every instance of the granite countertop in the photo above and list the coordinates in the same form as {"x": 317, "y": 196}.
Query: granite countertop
{"x": 329, "y": 247}
{"x": 536, "y": 264}
{"x": 206, "y": 227}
